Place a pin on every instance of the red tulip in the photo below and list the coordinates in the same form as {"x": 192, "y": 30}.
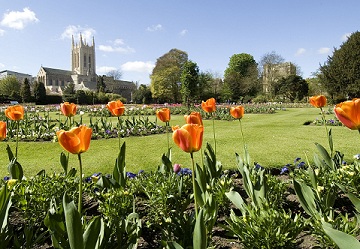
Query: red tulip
{"x": 189, "y": 137}
{"x": 193, "y": 118}
{"x": 237, "y": 112}
{"x": 318, "y": 101}
{"x": 163, "y": 114}
{"x": 68, "y": 109}
{"x": 75, "y": 141}
{"x": 209, "y": 105}
{"x": 116, "y": 108}
{"x": 15, "y": 112}
{"x": 348, "y": 113}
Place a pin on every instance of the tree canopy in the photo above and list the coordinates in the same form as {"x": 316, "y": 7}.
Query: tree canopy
{"x": 10, "y": 87}
{"x": 189, "y": 82}
{"x": 340, "y": 74}
{"x": 241, "y": 76}
{"x": 25, "y": 91}
{"x": 293, "y": 87}
{"x": 165, "y": 77}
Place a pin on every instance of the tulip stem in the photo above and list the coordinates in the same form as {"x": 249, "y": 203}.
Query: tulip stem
{"x": 167, "y": 134}
{"x": 327, "y": 132}
{"x": 193, "y": 181}
{"x": 17, "y": 139}
{"x": 119, "y": 136}
{"x": 242, "y": 134}
{"x": 213, "y": 120}
{"x": 80, "y": 185}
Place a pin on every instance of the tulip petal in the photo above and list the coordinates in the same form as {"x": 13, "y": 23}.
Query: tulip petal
{"x": 182, "y": 139}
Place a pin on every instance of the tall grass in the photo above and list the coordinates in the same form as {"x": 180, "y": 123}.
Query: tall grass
{"x": 273, "y": 140}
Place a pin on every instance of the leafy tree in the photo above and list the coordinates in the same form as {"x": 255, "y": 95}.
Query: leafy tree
{"x": 69, "y": 93}
{"x": 100, "y": 84}
{"x": 10, "y": 86}
{"x": 293, "y": 87}
{"x": 142, "y": 95}
{"x": 165, "y": 77}
{"x": 39, "y": 93}
{"x": 207, "y": 86}
{"x": 315, "y": 85}
{"x": 189, "y": 82}
{"x": 25, "y": 91}
{"x": 81, "y": 97}
{"x": 340, "y": 73}
{"x": 241, "y": 76}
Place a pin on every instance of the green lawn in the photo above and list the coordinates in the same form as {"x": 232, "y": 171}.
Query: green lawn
{"x": 273, "y": 140}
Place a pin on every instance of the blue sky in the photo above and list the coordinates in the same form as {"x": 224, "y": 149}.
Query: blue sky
{"x": 130, "y": 35}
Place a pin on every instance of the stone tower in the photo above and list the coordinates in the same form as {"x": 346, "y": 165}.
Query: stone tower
{"x": 83, "y": 57}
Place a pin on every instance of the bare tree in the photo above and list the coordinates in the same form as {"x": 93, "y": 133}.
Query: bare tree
{"x": 116, "y": 74}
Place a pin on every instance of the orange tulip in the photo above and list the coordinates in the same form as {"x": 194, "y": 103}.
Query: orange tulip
{"x": 163, "y": 114}
{"x": 193, "y": 118}
{"x": 348, "y": 113}
{"x": 68, "y": 109}
{"x": 318, "y": 101}
{"x": 116, "y": 108}
{"x": 237, "y": 112}
{"x": 15, "y": 112}
{"x": 209, "y": 105}
{"x": 174, "y": 128}
{"x": 2, "y": 130}
{"x": 189, "y": 137}
{"x": 75, "y": 141}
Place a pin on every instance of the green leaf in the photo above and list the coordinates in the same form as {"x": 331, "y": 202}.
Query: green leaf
{"x": 15, "y": 169}
{"x": 200, "y": 239}
{"x": 306, "y": 198}
{"x": 325, "y": 155}
{"x": 64, "y": 160}
{"x": 119, "y": 172}
{"x": 5, "y": 204}
{"x": 73, "y": 224}
{"x": 236, "y": 199}
{"x": 341, "y": 239}
{"x": 355, "y": 201}
{"x": 198, "y": 195}
{"x": 10, "y": 154}
{"x": 173, "y": 245}
{"x": 92, "y": 234}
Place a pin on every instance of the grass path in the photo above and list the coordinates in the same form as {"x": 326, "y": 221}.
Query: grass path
{"x": 273, "y": 140}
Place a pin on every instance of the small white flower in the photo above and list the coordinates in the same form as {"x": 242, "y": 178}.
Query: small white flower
{"x": 357, "y": 156}
{"x": 82, "y": 113}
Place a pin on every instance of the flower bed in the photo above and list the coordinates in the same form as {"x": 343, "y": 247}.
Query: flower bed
{"x": 301, "y": 206}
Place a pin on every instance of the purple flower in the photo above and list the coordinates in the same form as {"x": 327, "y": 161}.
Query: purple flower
{"x": 297, "y": 159}
{"x": 108, "y": 132}
{"x": 130, "y": 175}
{"x": 185, "y": 171}
{"x": 301, "y": 164}
{"x": 6, "y": 178}
{"x": 284, "y": 170}
{"x": 258, "y": 166}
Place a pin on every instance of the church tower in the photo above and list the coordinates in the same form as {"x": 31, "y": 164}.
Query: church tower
{"x": 83, "y": 57}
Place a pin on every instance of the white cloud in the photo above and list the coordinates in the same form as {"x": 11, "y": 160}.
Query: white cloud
{"x": 117, "y": 46}
{"x": 2, "y": 65}
{"x": 2, "y": 32}
{"x": 344, "y": 37}
{"x": 323, "y": 50}
{"x": 138, "y": 66}
{"x": 104, "y": 70}
{"x": 18, "y": 19}
{"x": 183, "y": 32}
{"x": 72, "y": 30}
{"x": 300, "y": 51}
{"x": 155, "y": 28}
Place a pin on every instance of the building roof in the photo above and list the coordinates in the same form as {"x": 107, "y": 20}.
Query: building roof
{"x": 57, "y": 71}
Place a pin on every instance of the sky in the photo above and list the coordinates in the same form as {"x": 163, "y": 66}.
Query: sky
{"x": 130, "y": 35}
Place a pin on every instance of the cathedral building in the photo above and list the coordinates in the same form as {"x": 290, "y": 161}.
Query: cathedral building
{"x": 82, "y": 74}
